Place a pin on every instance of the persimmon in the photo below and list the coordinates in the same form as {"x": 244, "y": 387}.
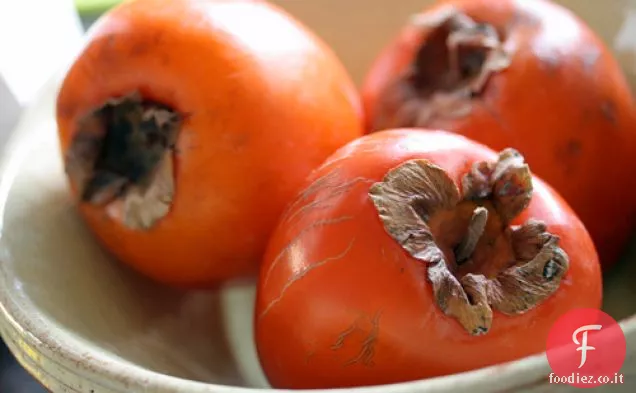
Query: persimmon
{"x": 187, "y": 125}
{"x": 412, "y": 254}
{"x": 523, "y": 74}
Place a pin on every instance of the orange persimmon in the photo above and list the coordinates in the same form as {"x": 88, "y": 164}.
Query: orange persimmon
{"x": 523, "y": 74}
{"x": 412, "y": 254}
{"x": 187, "y": 125}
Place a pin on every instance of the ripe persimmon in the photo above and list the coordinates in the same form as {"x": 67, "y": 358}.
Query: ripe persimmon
{"x": 187, "y": 125}
{"x": 412, "y": 254}
{"x": 525, "y": 74}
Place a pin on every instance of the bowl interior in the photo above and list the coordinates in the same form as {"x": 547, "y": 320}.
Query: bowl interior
{"x": 56, "y": 281}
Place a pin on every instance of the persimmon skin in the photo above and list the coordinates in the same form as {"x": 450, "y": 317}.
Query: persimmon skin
{"x": 263, "y": 106}
{"x": 564, "y": 103}
{"x": 333, "y": 280}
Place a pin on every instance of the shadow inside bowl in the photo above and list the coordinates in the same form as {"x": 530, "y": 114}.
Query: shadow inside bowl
{"x": 619, "y": 286}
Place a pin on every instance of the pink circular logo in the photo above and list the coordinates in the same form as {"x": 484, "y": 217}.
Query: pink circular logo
{"x": 586, "y": 348}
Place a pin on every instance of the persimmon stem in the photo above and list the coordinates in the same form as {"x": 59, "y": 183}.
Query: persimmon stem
{"x": 475, "y": 229}
{"x": 503, "y": 268}
{"x": 457, "y": 57}
{"x": 122, "y": 157}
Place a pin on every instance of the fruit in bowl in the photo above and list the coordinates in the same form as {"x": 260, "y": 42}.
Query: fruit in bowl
{"x": 525, "y": 74}
{"x": 185, "y": 129}
{"x": 412, "y": 254}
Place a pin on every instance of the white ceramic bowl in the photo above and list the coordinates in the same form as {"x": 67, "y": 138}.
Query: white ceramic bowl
{"x": 80, "y": 322}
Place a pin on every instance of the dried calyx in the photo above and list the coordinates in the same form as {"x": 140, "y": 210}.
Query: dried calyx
{"x": 455, "y": 60}
{"x": 121, "y": 158}
{"x": 476, "y": 260}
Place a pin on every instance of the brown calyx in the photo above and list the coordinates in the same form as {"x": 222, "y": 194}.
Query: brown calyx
{"x": 476, "y": 260}
{"x": 121, "y": 158}
{"x": 455, "y": 60}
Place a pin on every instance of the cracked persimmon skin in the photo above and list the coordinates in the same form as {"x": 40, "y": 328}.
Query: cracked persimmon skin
{"x": 341, "y": 303}
{"x": 253, "y": 125}
{"x": 563, "y": 102}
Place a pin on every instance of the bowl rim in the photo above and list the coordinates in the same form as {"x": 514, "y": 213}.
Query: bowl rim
{"x": 32, "y": 337}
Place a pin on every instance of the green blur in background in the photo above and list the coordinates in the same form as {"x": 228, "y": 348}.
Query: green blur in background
{"x": 85, "y": 7}
{"x": 90, "y": 10}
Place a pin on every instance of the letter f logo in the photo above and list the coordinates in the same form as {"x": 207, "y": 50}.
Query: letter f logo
{"x": 583, "y": 344}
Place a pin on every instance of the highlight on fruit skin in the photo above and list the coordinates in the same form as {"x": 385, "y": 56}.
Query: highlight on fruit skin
{"x": 412, "y": 254}
{"x": 503, "y": 73}
{"x": 185, "y": 131}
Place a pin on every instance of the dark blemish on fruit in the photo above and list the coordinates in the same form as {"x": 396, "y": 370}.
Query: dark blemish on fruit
{"x": 157, "y": 38}
{"x": 238, "y": 141}
{"x": 401, "y": 270}
{"x": 106, "y": 53}
{"x": 568, "y": 155}
{"x": 574, "y": 147}
{"x": 139, "y": 49}
{"x": 145, "y": 45}
{"x": 608, "y": 108}
{"x": 67, "y": 109}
